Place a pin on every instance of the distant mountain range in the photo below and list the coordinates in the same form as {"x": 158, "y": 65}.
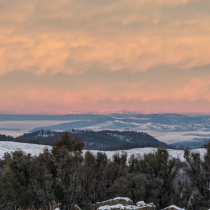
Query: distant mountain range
{"x": 197, "y": 128}
{"x": 154, "y": 122}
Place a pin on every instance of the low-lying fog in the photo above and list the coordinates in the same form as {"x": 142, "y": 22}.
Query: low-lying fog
{"x": 172, "y": 137}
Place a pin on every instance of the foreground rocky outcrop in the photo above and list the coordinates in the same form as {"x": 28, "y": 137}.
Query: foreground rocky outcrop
{"x": 122, "y": 203}
{"x": 112, "y": 202}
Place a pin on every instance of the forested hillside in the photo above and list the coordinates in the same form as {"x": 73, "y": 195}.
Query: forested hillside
{"x": 98, "y": 140}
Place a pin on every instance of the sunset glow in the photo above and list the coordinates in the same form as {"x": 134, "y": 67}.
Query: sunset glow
{"x": 78, "y": 56}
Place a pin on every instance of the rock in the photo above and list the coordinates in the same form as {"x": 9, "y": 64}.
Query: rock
{"x": 173, "y": 208}
{"x": 144, "y": 206}
{"x": 119, "y": 207}
{"x": 121, "y": 203}
{"x": 112, "y": 202}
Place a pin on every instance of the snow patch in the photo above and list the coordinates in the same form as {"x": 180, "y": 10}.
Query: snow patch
{"x": 117, "y": 207}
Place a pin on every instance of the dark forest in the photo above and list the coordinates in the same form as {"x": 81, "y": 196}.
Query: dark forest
{"x": 67, "y": 177}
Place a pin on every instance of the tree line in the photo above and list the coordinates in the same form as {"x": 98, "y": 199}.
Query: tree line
{"x": 64, "y": 176}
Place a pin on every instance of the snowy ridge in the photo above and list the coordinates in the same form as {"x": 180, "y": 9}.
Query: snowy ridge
{"x": 36, "y": 149}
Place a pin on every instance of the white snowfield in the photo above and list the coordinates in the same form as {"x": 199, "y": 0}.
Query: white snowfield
{"x": 8, "y": 146}
{"x": 36, "y": 149}
{"x": 142, "y": 151}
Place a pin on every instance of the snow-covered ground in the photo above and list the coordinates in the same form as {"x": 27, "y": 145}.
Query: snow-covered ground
{"x": 142, "y": 151}
{"x": 36, "y": 149}
{"x": 8, "y": 146}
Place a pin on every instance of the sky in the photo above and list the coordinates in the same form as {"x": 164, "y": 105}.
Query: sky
{"x": 104, "y": 56}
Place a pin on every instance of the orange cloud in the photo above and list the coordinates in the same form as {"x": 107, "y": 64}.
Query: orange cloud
{"x": 79, "y": 37}
{"x": 65, "y": 36}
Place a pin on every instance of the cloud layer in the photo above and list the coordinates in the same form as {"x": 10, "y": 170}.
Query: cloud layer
{"x": 69, "y": 55}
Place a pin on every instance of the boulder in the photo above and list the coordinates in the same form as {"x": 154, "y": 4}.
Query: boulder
{"x": 119, "y": 207}
{"x": 173, "y": 207}
{"x": 144, "y": 206}
{"x": 112, "y": 202}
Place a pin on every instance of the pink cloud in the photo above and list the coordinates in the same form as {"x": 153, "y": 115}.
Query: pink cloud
{"x": 76, "y": 37}
{"x": 100, "y": 99}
